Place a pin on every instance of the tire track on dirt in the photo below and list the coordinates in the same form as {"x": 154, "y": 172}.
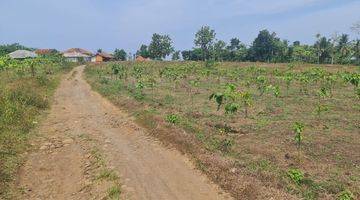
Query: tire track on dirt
{"x": 147, "y": 170}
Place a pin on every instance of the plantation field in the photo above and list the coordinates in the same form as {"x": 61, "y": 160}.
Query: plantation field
{"x": 292, "y": 128}
{"x": 24, "y": 94}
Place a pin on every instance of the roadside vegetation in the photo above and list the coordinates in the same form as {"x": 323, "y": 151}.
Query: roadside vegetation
{"x": 26, "y": 87}
{"x": 292, "y": 127}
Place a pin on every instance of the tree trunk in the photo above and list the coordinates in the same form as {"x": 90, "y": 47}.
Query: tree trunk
{"x": 32, "y": 70}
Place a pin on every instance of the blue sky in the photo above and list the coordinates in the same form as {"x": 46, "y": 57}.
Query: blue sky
{"x": 110, "y": 24}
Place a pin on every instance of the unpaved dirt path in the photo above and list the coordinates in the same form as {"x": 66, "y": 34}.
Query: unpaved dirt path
{"x": 60, "y": 168}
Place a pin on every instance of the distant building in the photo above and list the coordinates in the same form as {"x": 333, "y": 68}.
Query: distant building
{"x": 141, "y": 59}
{"x": 22, "y": 54}
{"x": 46, "y": 51}
{"x": 77, "y": 55}
{"x": 102, "y": 57}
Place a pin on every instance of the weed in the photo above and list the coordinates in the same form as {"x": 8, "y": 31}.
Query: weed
{"x": 346, "y": 195}
{"x": 98, "y": 158}
{"x": 172, "y": 118}
{"x": 43, "y": 80}
{"x": 296, "y": 176}
{"x": 104, "y": 81}
{"x": 114, "y": 193}
{"x": 107, "y": 174}
{"x": 298, "y": 130}
{"x": 211, "y": 64}
{"x": 231, "y": 108}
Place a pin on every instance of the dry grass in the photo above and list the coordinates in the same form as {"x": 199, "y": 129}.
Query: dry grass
{"x": 242, "y": 154}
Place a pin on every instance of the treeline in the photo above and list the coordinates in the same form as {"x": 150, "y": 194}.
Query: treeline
{"x": 8, "y": 48}
{"x": 266, "y": 47}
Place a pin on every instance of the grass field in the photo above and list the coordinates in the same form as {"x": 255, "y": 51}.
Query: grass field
{"x": 250, "y": 142}
{"x": 22, "y": 100}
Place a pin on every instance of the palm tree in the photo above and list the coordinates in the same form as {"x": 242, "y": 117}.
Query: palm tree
{"x": 344, "y": 47}
{"x": 356, "y": 50}
{"x": 323, "y": 46}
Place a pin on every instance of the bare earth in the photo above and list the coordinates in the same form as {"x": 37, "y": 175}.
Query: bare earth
{"x": 80, "y": 120}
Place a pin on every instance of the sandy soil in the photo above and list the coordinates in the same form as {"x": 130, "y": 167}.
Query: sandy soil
{"x": 61, "y": 166}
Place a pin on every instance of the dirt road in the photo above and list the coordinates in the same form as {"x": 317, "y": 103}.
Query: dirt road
{"x": 81, "y": 120}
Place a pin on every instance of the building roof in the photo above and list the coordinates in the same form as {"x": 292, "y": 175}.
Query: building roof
{"x": 78, "y": 50}
{"x": 45, "y": 51}
{"x": 19, "y": 54}
{"x": 105, "y": 55}
{"x": 75, "y": 55}
{"x": 140, "y": 58}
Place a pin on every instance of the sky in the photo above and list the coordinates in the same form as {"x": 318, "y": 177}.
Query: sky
{"x": 126, "y": 24}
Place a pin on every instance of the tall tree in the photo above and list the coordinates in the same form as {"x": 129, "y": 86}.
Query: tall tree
{"x": 235, "y": 44}
{"x": 219, "y": 50}
{"x": 176, "y": 55}
{"x": 344, "y": 48}
{"x": 263, "y": 46}
{"x": 296, "y": 43}
{"x": 280, "y": 50}
{"x": 333, "y": 48}
{"x": 323, "y": 47}
{"x": 99, "y": 50}
{"x": 120, "y": 54}
{"x": 143, "y": 51}
{"x": 356, "y": 51}
{"x": 195, "y": 54}
{"x": 303, "y": 53}
{"x": 204, "y": 39}
{"x": 356, "y": 43}
{"x": 236, "y": 51}
{"x": 160, "y": 46}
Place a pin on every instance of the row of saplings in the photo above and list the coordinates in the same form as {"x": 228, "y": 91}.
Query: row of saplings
{"x": 231, "y": 99}
{"x": 33, "y": 65}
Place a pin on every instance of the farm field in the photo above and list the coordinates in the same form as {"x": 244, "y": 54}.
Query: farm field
{"x": 291, "y": 128}
{"x": 25, "y": 94}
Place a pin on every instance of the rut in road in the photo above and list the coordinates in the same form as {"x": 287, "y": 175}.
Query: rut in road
{"x": 147, "y": 170}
